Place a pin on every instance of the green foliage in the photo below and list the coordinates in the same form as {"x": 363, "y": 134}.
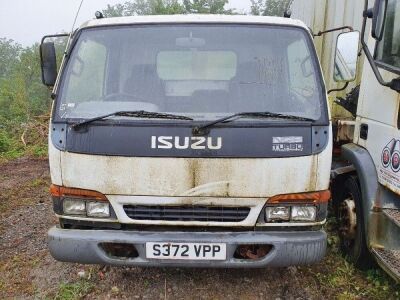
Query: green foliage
{"x": 8, "y": 60}
{"x": 206, "y": 6}
{"x": 144, "y": 7}
{"x": 269, "y": 7}
{"x": 5, "y": 141}
{"x": 337, "y": 274}
{"x": 22, "y": 99}
{"x": 116, "y": 10}
{"x": 72, "y": 291}
{"x": 167, "y": 7}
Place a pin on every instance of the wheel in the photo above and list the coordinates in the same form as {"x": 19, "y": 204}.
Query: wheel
{"x": 350, "y": 218}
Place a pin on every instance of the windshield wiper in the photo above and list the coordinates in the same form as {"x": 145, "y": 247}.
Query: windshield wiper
{"x": 134, "y": 114}
{"x": 201, "y": 129}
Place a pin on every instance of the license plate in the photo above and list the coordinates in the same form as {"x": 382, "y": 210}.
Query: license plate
{"x": 189, "y": 251}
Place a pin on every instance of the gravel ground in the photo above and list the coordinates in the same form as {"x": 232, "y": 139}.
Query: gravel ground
{"x": 28, "y": 271}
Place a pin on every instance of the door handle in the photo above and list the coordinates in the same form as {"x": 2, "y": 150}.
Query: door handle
{"x": 364, "y": 131}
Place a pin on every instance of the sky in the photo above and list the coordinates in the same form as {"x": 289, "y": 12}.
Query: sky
{"x": 27, "y": 21}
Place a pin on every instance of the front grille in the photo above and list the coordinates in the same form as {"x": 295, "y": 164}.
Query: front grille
{"x": 187, "y": 213}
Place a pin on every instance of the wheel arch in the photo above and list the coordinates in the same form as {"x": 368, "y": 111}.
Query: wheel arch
{"x": 367, "y": 177}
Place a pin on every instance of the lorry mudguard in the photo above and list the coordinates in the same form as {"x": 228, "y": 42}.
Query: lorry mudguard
{"x": 367, "y": 176}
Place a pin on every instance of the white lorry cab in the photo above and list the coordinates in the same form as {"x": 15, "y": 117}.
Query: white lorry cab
{"x": 189, "y": 141}
{"x": 365, "y": 180}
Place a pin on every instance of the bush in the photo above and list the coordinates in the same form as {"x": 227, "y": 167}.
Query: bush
{"x": 5, "y": 141}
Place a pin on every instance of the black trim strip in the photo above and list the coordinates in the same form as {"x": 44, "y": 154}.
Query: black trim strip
{"x": 280, "y": 140}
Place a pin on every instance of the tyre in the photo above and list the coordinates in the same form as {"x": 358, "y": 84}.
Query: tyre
{"x": 351, "y": 223}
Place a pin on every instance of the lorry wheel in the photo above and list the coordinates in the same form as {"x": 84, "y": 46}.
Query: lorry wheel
{"x": 351, "y": 224}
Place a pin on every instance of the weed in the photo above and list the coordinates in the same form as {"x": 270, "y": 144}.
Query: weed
{"x": 348, "y": 282}
{"x": 72, "y": 291}
{"x": 39, "y": 150}
{"x": 38, "y": 182}
{"x": 5, "y": 141}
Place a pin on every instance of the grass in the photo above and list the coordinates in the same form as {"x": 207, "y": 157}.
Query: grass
{"x": 341, "y": 276}
{"x": 11, "y": 146}
{"x": 11, "y": 199}
{"x": 351, "y": 283}
{"x": 72, "y": 291}
{"x": 13, "y": 272}
{"x": 39, "y": 182}
{"x": 37, "y": 151}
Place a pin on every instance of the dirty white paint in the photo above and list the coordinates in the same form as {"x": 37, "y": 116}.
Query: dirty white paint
{"x": 54, "y": 162}
{"x": 194, "y": 181}
{"x": 378, "y": 106}
{"x": 197, "y": 18}
{"x": 324, "y": 163}
{"x": 196, "y": 177}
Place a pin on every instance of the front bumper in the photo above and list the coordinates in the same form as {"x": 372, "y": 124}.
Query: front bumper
{"x": 289, "y": 248}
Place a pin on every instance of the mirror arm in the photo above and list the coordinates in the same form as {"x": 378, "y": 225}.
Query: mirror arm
{"x": 50, "y": 36}
{"x": 53, "y": 36}
{"x": 333, "y": 29}
{"x": 392, "y": 84}
{"x": 339, "y": 89}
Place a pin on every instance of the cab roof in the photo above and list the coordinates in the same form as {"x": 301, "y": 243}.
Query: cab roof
{"x": 201, "y": 19}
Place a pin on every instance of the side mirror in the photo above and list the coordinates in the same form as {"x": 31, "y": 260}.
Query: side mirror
{"x": 48, "y": 63}
{"x": 379, "y": 18}
{"x": 346, "y": 57}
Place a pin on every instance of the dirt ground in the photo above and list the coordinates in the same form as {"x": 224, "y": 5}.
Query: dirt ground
{"x": 28, "y": 271}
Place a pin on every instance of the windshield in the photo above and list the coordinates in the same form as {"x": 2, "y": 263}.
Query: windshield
{"x": 200, "y": 71}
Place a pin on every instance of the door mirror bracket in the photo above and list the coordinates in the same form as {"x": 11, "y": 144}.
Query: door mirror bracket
{"x": 48, "y": 60}
{"x": 379, "y": 8}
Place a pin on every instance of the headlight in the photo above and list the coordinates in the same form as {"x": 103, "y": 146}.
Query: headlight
{"x": 303, "y": 213}
{"x": 74, "y": 207}
{"x": 279, "y": 213}
{"x": 98, "y": 209}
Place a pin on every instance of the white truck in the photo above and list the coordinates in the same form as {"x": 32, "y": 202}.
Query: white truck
{"x": 365, "y": 172}
{"x": 189, "y": 141}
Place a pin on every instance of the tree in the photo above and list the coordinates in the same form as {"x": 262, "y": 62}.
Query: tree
{"x": 144, "y": 7}
{"x": 9, "y": 53}
{"x": 270, "y": 7}
{"x": 206, "y": 6}
{"x": 167, "y": 7}
{"x": 22, "y": 99}
{"x": 114, "y": 10}
{"x": 257, "y": 7}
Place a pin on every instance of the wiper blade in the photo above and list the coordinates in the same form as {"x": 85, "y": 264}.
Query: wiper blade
{"x": 134, "y": 114}
{"x": 201, "y": 129}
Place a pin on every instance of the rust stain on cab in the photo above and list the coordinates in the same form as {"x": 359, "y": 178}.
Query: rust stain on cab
{"x": 191, "y": 177}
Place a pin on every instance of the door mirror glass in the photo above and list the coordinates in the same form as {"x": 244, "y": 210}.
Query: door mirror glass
{"x": 48, "y": 63}
{"x": 378, "y": 20}
{"x": 346, "y": 56}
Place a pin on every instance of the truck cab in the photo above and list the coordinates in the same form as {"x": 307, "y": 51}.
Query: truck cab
{"x": 365, "y": 173}
{"x": 189, "y": 141}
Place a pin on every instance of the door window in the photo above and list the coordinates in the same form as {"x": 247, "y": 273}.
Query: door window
{"x": 388, "y": 50}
